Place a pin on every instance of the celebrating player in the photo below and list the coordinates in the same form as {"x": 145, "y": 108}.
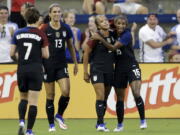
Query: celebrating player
{"x": 101, "y": 68}
{"x": 126, "y": 71}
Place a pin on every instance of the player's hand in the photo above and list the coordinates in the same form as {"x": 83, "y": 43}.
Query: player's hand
{"x": 75, "y": 69}
{"x": 86, "y": 77}
{"x": 96, "y": 36}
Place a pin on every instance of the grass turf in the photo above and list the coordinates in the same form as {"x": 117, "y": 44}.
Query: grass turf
{"x": 87, "y": 127}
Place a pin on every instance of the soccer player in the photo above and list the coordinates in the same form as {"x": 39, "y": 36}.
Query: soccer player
{"x": 31, "y": 45}
{"x": 101, "y": 68}
{"x": 59, "y": 34}
{"x": 126, "y": 71}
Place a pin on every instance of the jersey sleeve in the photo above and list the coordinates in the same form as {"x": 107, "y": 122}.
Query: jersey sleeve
{"x": 79, "y": 35}
{"x": 125, "y": 39}
{"x": 43, "y": 27}
{"x": 91, "y": 43}
{"x": 69, "y": 31}
{"x": 44, "y": 40}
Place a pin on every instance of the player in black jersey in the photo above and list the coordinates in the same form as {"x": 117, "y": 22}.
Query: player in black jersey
{"x": 59, "y": 34}
{"x": 101, "y": 68}
{"x": 126, "y": 70}
{"x": 31, "y": 45}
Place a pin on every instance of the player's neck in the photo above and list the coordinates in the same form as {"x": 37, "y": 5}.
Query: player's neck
{"x": 55, "y": 25}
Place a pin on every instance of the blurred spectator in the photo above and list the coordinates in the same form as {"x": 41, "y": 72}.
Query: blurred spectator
{"x": 7, "y": 30}
{"x": 128, "y": 7}
{"x": 95, "y": 6}
{"x": 69, "y": 18}
{"x": 174, "y": 57}
{"x": 88, "y": 6}
{"x": 175, "y": 32}
{"x": 152, "y": 39}
{"x": 17, "y": 9}
{"x": 88, "y": 31}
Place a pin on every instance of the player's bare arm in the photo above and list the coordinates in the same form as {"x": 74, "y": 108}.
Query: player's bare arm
{"x": 117, "y": 45}
{"x": 87, "y": 52}
{"x": 73, "y": 55}
{"x": 13, "y": 52}
{"x": 45, "y": 52}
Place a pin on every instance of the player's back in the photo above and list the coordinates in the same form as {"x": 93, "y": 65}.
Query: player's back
{"x": 29, "y": 41}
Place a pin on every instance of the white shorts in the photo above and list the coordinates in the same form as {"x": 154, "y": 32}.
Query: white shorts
{"x": 128, "y": 7}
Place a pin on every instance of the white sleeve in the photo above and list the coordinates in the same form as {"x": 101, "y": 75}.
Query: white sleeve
{"x": 144, "y": 35}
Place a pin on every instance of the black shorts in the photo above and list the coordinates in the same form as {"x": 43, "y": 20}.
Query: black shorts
{"x": 99, "y": 77}
{"x": 54, "y": 74}
{"x": 29, "y": 81}
{"x": 124, "y": 76}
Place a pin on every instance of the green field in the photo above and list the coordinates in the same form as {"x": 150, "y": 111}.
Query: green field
{"x": 87, "y": 127}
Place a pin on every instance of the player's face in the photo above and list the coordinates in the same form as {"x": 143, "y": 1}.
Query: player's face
{"x": 55, "y": 14}
{"x": 152, "y": 21}
{"x": 4, "y": 15}
{"x": 120, "y": 25}
{"x": 70, "y": 19}
{"x": 102, "y": 23}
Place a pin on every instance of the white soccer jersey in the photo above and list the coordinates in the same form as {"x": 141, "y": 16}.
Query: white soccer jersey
{"x": 147, "y": 53}
{"x": 5, "y": 41}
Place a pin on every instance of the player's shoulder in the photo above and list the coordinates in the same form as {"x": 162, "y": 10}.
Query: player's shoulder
{"x": 127, "y": 32}
{"x": 21, "y": 30}
{"x": 44, "y": 27}
{"x": 65, "y": 26}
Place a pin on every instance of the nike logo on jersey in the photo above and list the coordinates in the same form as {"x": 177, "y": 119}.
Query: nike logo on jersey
{"x": 49, "y": 34}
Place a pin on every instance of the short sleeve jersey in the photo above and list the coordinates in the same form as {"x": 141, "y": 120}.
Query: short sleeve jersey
{"x": 29, "y": 42}
{"x": 102, "y": 59}
{"x": 57, "y": 44}
{"x": 125, "y": 55}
